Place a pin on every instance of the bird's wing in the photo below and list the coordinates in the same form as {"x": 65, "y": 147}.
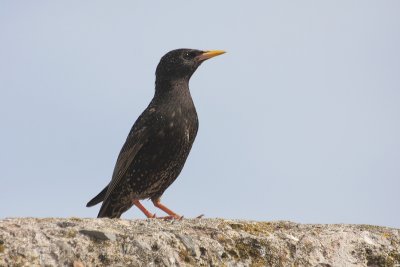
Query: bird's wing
{"x": 136, "y": 139}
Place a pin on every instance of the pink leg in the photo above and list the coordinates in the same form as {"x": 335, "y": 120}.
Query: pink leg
{"x": 172, "y": 215}
{"x": 143, "y": 209}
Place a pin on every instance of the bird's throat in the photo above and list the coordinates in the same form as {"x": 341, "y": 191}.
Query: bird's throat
{"x": 173, "y": 88}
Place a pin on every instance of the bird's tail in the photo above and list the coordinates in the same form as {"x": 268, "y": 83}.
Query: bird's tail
{"x": 112, "y": 209}
{"x": 99, "y": 198}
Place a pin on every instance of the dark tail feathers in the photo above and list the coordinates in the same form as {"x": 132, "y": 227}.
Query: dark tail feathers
{"x": 112, "y": 209}
{"x": 99, "y": 198}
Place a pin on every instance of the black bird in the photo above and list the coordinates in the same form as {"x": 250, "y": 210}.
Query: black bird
{"x": 159, "y": 142}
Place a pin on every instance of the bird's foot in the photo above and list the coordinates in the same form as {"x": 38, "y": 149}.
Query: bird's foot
{"x": 171, "y": 215}
{"x": 170, "y": 218}
{"x": 176, "y": 217}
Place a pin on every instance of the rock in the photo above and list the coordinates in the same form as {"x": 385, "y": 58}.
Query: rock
{"x": 197, "y": 242}
{"x": 98, "y": 235}
{"x": 188, "y": 243}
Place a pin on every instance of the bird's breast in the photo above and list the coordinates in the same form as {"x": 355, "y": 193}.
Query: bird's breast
{"x": 181, "y": 126}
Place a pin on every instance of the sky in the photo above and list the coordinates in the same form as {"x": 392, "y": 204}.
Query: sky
{"x": 299, "y": 120}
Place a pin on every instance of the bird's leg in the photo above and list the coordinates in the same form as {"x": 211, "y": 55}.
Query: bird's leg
{"x": 143, "y": 209}
{"x": 172, "y": 215}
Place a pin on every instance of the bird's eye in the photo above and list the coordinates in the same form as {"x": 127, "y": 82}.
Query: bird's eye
{"x": 189, "y": 55}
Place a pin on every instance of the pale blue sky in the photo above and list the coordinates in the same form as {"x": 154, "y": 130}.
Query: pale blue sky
{"x": 299, "y": 121}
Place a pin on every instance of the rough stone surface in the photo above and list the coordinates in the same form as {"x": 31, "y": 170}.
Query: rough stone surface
{"x": 199, "y": 242}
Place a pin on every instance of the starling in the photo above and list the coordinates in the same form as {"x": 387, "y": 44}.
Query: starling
{"x": 159, "y": 142}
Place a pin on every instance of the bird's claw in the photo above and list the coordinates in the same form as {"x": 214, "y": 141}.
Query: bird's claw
{"x": 176, "y": 217}
{"x": 170, "y": 217}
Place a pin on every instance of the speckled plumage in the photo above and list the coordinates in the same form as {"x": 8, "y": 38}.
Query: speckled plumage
{"x": 159, "y": 142}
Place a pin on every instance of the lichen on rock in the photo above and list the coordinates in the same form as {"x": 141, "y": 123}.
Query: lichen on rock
{"x": 198, "y": 242}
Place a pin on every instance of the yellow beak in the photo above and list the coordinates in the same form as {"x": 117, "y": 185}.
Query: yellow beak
{"x": 209, "y": 54}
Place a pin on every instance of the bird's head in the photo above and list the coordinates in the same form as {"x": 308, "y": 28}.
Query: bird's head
{"x": 180, "y": 64}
